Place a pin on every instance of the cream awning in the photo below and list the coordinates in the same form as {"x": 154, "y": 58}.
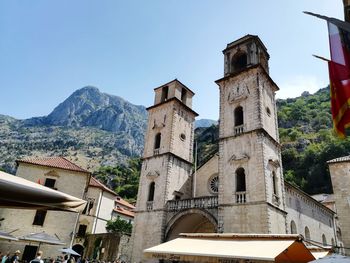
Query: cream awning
{"x": 17, "y": 192}
{"x": 319, "y": 254}
{"x": 223, "y": 249}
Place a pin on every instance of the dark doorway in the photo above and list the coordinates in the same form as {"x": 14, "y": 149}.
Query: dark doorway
{"x": 79, "y": 249}
{"x": 29, "y": 253}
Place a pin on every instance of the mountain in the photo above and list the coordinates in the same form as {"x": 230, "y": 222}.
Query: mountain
{"x": 95, "y": 129}
{"x": 90, "y": 127}
{"x": 88, "y": 107}
{"x": 204, "y": 123}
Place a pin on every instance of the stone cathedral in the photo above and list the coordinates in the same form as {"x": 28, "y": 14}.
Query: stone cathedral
{"x": 241, "y": 188}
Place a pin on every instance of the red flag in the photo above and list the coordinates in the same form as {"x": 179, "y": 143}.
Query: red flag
{"x": 339, "y": 76}
{"x": 339, "y": 42}
{"x": 339, "y": 72}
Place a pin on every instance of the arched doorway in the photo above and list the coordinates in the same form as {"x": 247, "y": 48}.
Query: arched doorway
{"x": 190, "y": 221}
{"x": 79, "y": 249}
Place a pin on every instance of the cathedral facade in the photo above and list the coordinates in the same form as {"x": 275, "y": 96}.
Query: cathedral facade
{"x": 241, "y": 188}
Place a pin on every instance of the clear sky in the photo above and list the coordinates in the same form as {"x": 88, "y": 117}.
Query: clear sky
{"x": 49, "y": 49}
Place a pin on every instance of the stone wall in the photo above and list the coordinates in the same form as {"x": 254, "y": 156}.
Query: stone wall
{"x": 307, "y": 212}
{"x": 204, "y": 174}
{"x": 341, "y": 187}
{"x": 108, "y": 247}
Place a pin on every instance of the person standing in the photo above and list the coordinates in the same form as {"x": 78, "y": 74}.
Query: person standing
{"x": 15, "y": 257}
{"x": 38, "y": 258}
{"x": 5, "y": 257}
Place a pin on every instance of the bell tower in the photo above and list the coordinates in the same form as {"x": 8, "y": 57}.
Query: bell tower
{"x": 251, "y": 187}
{"x": 167, "y": 163}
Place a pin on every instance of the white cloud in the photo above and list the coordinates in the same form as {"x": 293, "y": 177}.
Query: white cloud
{"x": 293, "y": 87}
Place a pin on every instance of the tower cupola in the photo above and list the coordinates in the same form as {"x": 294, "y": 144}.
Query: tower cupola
{"x": 173, "y": 90}
{"x": 244, "y": 53}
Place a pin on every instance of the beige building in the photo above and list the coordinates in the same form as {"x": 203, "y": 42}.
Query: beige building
{"x": 339, "y": 169}
{"x": 71, "y": 228}
{"x": 99, "y": 209}
{"x": 124, "y": 210}
{"x": 57, "y": 173}
{"x": 241, "y": 188}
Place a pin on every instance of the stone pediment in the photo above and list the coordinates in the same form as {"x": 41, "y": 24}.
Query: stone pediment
{"x": 238, "y": 94}
{"x": 239, "y": 158}
{"x": 52, "y": 173}
{"x": 152, "y": 175}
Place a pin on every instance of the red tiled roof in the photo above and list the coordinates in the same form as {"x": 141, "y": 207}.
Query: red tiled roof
{"x": 95, "y": 183}
{"x": 55, "y": 162}
{"x": 121, "y": 201}
{"x": 123, "y": 211}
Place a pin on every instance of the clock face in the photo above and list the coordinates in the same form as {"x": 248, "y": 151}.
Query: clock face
{"x": 214, "y": 184}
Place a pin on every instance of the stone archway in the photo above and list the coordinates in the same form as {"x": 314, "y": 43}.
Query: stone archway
{"x": 190, "y": 221}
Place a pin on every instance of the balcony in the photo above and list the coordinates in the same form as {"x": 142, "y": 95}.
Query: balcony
{"x": 149, "y": 205}
{"x": 241, "y": 197}
{"x": 239, "y": 129}
{"x": 198, "y": 202}
{"x": 156, "y": 151}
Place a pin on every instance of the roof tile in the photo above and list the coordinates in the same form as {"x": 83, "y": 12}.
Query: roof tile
{"x": 55, "y": 162}
{"x": 340, "y": 159}
{"x": 95, "y": 183}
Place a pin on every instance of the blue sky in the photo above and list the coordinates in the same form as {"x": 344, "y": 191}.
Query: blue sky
{"x": 49, "y": 49}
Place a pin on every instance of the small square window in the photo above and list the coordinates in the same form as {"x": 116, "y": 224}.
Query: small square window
{"x": 39, "y": 217}
{"x": 50, "y": 183}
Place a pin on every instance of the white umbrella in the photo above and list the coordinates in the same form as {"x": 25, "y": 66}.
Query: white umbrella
{"x": 69, "y": 250}
{"x": 334, "y": 258}
{"x": 7, "y": 236}
{"x": 42, "y": 237}
{"x": 17, "y": 192}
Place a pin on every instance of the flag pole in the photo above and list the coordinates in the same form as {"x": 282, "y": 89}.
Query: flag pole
{"x": 319, "y": 57}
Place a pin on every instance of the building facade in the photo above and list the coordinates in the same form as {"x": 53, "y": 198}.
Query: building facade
{"x": 57, "y": 173}
{"x": 241, "y": 188}
{"x": 339, "y": 169}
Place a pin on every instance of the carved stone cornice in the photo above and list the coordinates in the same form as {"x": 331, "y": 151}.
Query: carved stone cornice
{"x": 238, "y": 94}
{"x": 152, "y": 175}
{"x": 158, "y": 125}
{"x": 239, "y": 158}
{"x": 274, "y": 163}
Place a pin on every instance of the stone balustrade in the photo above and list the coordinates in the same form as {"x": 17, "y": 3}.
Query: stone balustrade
{"x": 239, "y": 129}
{"x": 206, "y": 202}
{"x": 156, "y": 151}
{"x": 241, "y": 197}
{"x": 149, "y": 205}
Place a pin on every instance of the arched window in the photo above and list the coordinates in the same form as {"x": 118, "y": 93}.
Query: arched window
{"x": 324, "y": 240}
{"x": 240, "y": 180}
{"x": 274, "y": 183}
{"x": 238, "y": 62}
{"x": 165, "y": 91}
{"x": 293, "y": 227}
{"x": 157, "y": 140}
{"x": 238, "y": 116}
{"x": 307, "y": 233}
{"x": 151, "y": 192}
{"x": 183, "y": 95}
